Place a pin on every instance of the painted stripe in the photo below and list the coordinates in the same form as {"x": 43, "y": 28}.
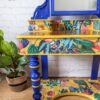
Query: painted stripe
{"x": 35, "y": 86}
{"x": 35, "y": 80}
{"x": 59, "y": 36}
{"x": 34, "y": 66}
{"x": 60, "y": 54}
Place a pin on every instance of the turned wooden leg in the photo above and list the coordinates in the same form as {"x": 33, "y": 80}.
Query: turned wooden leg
{"x": 44, "y": 63}
{"x": 35, "y": 77}
{"x": 95, "y": 67}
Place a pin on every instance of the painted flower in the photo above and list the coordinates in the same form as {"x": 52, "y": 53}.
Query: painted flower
{"x": 50, "y": 93}
{"x": 97, "y": 86}
{"x": 97, "y": 44}
{"x": 48, "y": 40}
{"x": 63, "y": 83}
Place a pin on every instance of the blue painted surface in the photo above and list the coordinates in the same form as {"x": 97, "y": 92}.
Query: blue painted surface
{"x": 98, "y": 15}
{"x": 35, "y": 75}
{"x": 38, "y": 94}
{"x": 88, "y": 12}
{"x": 95, "y": 67}
{"x": 36, "y": 83}
{"x": 44, "y": 63}
{"x": 99, "y": 9}
{"x": 42, "y": 11}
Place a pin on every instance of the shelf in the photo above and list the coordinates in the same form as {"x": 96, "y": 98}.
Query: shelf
{"x": 51, "y": 31}
{"x": 57, "y": 36}
{"x": 82, "y": 54}
{"x": 53, "y": 89}
{"x": 40, "y": 31}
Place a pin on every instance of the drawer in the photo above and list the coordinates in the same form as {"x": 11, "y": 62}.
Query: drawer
{"x": 59, "y": 46}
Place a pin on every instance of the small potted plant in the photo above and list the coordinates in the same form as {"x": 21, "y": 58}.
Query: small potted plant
{"x": 12, "y": 65}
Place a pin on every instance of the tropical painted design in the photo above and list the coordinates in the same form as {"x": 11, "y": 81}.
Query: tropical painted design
{"x": 55, "y": 27}
{"x": 59, "y": 46}
{"x": 55, "y": 88}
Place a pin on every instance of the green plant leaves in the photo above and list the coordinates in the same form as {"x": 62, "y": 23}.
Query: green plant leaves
{"x": 20, "y": 68}
{"x": 10, "y": 61}
{"x": 9, "y": 48}
{"x": 5, "y": 61}
{"x": 1, "y": 38}
{"x": 1, "y": 34}
{"x": 14, "y": 49}
{"x": 23, "y": 60}
{"x": 6, "y": 48}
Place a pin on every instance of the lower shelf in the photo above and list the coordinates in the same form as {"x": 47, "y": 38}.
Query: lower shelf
{"x": 53, "y": 89}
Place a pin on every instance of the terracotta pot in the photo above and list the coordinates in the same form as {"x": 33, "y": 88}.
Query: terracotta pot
{"x": 17, "y": 84}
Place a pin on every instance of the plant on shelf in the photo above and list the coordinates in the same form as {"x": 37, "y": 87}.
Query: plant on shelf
{"x": 12, "y": 64}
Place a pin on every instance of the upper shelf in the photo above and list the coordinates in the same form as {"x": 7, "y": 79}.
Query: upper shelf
{"x": 62, "y": 29}
{"x": 57, "y": 36}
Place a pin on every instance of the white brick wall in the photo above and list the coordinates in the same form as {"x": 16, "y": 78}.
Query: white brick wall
{"x": 13, "y": 21}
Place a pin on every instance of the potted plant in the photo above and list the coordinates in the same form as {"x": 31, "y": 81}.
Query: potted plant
{"x": 12, "y": 64}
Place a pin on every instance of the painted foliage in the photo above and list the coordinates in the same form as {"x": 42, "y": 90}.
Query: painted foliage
{"x": 64, "y": 27}
{"x": 59, "y": 46}
{"x": 54, "y": 88}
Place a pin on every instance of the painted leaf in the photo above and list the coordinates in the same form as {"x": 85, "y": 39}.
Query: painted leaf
{"x": 24, "y": 42}
{"x": 33, "y": 49}
{"x": 42, "y": 45}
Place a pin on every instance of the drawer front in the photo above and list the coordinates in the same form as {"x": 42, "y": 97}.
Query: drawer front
{"x": 59, "y": 46}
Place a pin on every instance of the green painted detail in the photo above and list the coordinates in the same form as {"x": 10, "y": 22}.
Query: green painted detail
{"x": 97, "y": 96}
{"x": 96, "y": 25}
{"x": 33, "y": 49}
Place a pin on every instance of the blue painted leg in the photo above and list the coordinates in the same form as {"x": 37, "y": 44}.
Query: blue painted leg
{"x": 95, "y": 67}
{"x": 35, "y": 77}
{"x": 44, "y": 62}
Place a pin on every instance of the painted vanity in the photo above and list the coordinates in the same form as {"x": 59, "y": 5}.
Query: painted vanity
{"x": 61, "y": 37}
